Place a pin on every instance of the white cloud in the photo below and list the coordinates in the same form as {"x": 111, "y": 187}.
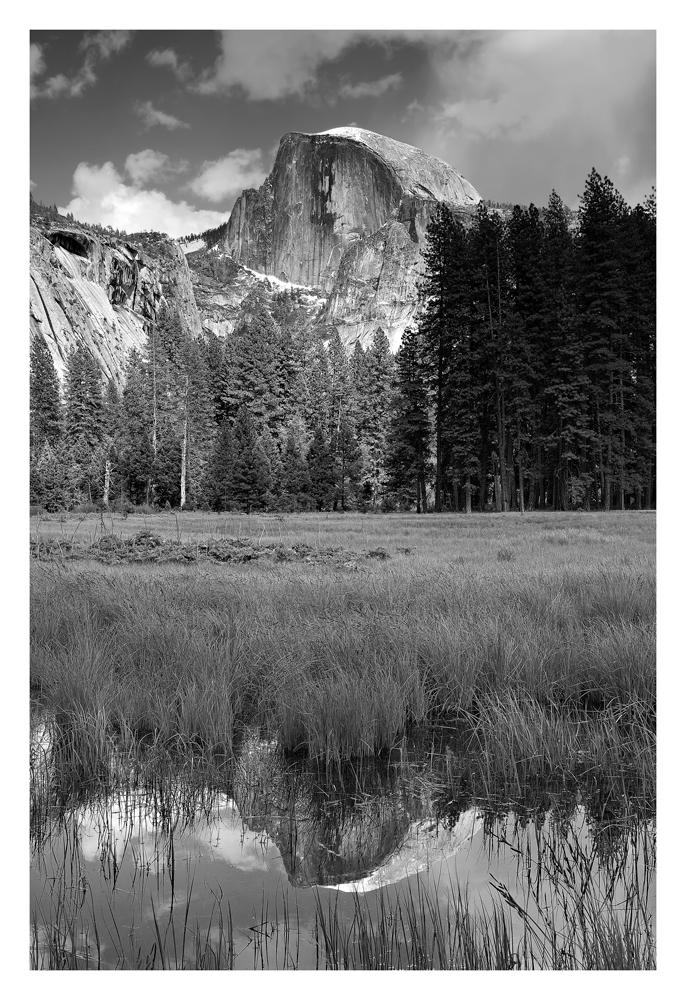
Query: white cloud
{"x": 168, "y": 57}
{"x": 101, "y": 195}
{"x": 98, "y": 46}
{"x": 151, "y": 116}
{"x": 622, "y": 166}
{"x": 374, "y": 88}
{"x": 272, "y": 64}
{"x": 143, "y": 166}
{"x": 520, "y": 112}
{"x": 524, "y": 83}
{"x": 106, "y": 42}
{"x": 37, "y": 60}
{"x": 61, "y": 85}
{"x": 221, "y": 179}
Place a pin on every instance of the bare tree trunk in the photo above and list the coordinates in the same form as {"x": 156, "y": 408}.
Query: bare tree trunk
{"x": 622, "y": 457}
{"x": 154, "y": 396}
{"x": 184, "y": 448}
{"x": 456, "y": 492}
{"x": 497, "y": 488}
{"x": 106, "y": 490}
{"x": 519, "y": 464}
{"x": 467, "y": 496}
{"x": 500, "y": 411}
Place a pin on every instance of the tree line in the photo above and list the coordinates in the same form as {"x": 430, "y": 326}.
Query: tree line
{"x": 528, "y": 382}
{"x": 535, "y": 351}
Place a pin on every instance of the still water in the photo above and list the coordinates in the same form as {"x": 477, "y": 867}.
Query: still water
{"x": 290, "y": 866}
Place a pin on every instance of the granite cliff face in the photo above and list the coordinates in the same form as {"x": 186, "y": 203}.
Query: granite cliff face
{"x": 340, "y": 222}
{"x": 104, "y": 292}
{"x": 346, "y": 211}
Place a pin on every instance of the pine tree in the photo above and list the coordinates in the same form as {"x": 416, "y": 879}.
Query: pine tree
{"x": 347, "y": 465}
{"x": 563, "y": 438}
{"x": 220, "y": 476}
{"x": 84, "y": 410}
{"x": 436, "y": 322}
{"x": 112, "y": 443}
{"x": 372, "y": 432}
{"x": 320, "y": 465}
{"x": 275, "y": 480}
{"x": 318, "y": 389}
{"x": 639, "y": 264}
{"x": 601, "y": 300}
{"x": 409, "y": 441}
{"x": 296, "y": 476}
{"x": 250, "y": 369}
{"x": 137, "y": 456}
{"x": 360, "y": 390}
{"x": 524, "y": 374}
{"x": 339, "y": 392}
{"x": 45, "y": 406}
{"x": 85, "y": 421}
{"x": 212, "y": 349}
{"x": 199, "y": 424}
{"x": 166, "y": 353}
{"x": 487, "y": 253}
{"x": 251, "y": 466}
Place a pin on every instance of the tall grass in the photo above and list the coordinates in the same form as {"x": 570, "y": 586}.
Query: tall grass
{"x": 339, "y": 663}
{"x": 567, "y": 911}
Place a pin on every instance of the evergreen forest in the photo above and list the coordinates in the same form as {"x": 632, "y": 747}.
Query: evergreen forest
{"x": 527, "y": 383}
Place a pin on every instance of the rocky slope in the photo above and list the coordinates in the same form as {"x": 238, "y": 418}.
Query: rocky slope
{"x": 220, "y": 285}
{"x": 346, "y": 211}
{"x": 339, "y": 224}
{"x": 103, "y": 291}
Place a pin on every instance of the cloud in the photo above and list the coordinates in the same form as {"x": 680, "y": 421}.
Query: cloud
{"x": 102, "y": 196}
{"x": 151, "y": 116}
{"x": 98, "y": 46}
{"x": 168, "y": 57}
{"x": 107, "y": 43}
{"x": 269, "y": 65}
{"x": 61, "y": 85}
{"x": 37, "y": 60}
{"x": 219, "y": 180}
{"x": 373, "y": 89}
{"x": 148, "y": 163}
{"x": 521, "y": 111}
{"x": 523, "y": 83}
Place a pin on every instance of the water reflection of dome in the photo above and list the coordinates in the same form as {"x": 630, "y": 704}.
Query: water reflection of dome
{"x": 345, "y": 831}
{"x": 427, "y": 842}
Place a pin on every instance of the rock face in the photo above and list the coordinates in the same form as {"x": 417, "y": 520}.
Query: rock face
{"x": 220, "y": 286}
{"x": 346, "y": 211}
{"x": 104, "y": 292}
{"x": 340, "y": 222}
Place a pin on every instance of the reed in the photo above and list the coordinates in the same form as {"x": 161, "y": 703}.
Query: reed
{"x": 340, "y": 662}
{"x": 564, "y": 915}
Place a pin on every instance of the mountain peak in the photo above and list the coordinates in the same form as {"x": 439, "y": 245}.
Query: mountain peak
{"x": 421, "y": 174}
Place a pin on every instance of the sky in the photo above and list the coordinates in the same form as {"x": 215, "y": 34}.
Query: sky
{"x": 163, "y": 129}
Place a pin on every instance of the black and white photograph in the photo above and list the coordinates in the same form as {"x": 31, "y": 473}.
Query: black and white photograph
{"x": 342, "y": 488}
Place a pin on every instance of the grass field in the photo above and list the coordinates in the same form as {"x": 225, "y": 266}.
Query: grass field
{"x": 521, "y": 622}
{"x": 157, "y": 642}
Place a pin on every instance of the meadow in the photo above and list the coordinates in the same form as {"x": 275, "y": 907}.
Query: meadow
{"x": 157, "y": 642}
{"x": 522, "y": 622}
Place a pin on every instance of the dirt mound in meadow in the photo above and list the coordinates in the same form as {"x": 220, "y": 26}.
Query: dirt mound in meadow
{"x": 147, "y": 547}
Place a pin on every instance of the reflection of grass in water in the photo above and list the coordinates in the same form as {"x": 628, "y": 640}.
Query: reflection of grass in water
{"x": 556, "y": 869}
{"x": 545, "y": 661}
{"x": 340, "y": 664}
{"x": 563, "y": 913}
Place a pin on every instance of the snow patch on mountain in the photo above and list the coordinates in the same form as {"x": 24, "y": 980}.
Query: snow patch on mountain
{"x": 193, "y": 246}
